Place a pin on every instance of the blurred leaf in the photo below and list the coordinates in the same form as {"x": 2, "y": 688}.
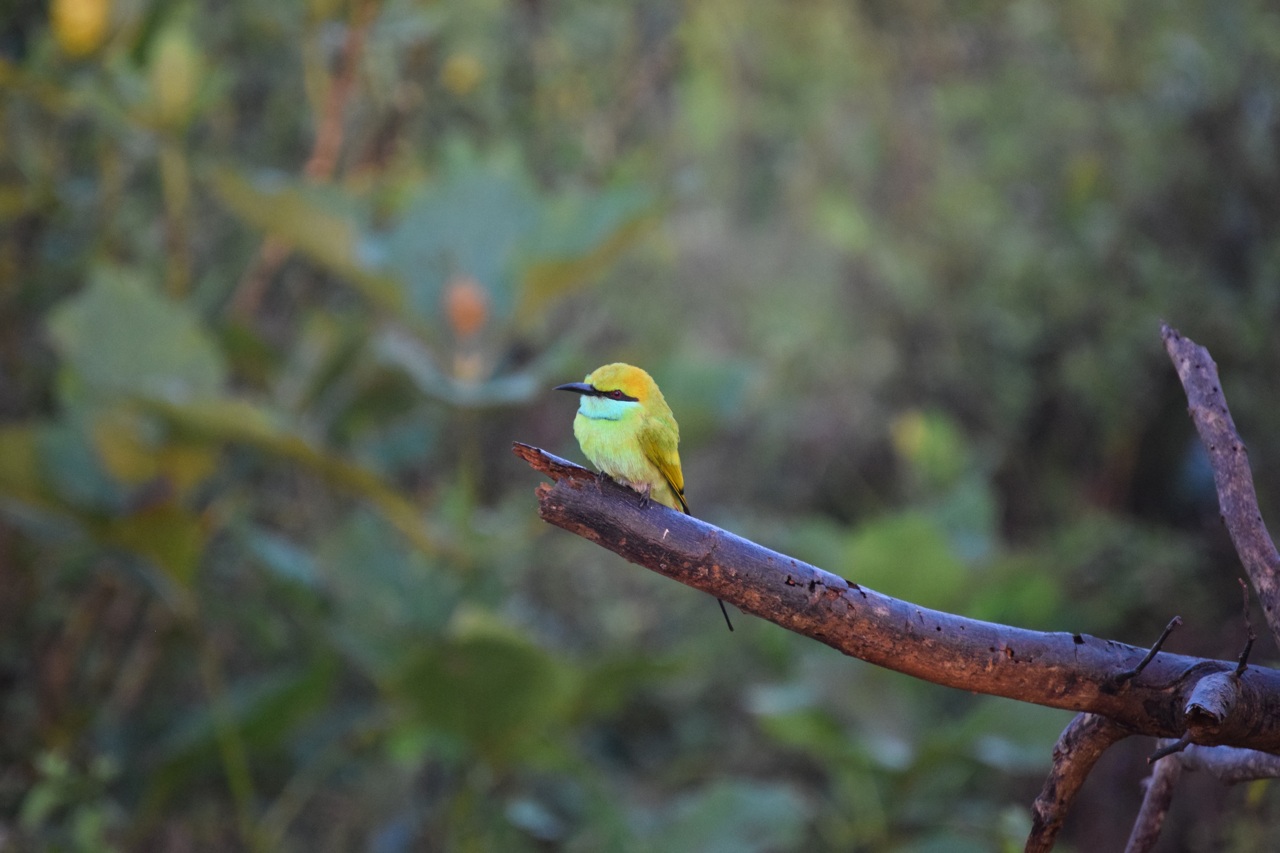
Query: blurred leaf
{"x": 243, "y": 422}
{"x": 172, "y": 536}
{"x": 579, "y": 238}
{"x": 320, "y": 221}
{"x": 607, "y": 686}
{"x": 906, "y": 556}
{"x": 810, "y": 729}
{"x": 932, "y": 444}
{"x": 495, "y": 690}
{"x": 950, "y": 842}
{"x": 124, "y": 453}
{"x": 265, "y": 709}
{"x": 383, "y": 593}
{"x": 75, "y": 471}
{"x": 281, "y": 557}
{"x": 535, "y": 818}
{"x": 120, "y": 337}
{"x": 1009, "y": 736}
{"x": 403, "y": 444}
{"x": 968, "y": 514}
{"x": 130, "y": 450}
{"x": 251, "y": 358}
{"x": 734, "y": 816}
{"x": 1020, "y": 590}
{"x": 706, "y": 392}
{"x": 486, "y": 223}
{"x": 471, "y": 222}
{"x": 845, "y": 222}
{"x": 22, "y": 474}
{"x": 68, "y": 806}
{"x": 325, "y": 351}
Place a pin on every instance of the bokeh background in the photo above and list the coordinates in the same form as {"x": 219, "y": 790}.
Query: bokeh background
{"x": 280, "y": 282}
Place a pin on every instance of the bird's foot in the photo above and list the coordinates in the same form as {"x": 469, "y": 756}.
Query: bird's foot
{"x": 644, "y": 496}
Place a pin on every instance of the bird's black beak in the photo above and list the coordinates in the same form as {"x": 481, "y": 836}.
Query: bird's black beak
{"x": 577, "y": 388}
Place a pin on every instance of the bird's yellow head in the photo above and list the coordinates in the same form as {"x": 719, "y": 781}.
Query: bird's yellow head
{"x": 625, "y": 380}
{"x": 615, "y": 390}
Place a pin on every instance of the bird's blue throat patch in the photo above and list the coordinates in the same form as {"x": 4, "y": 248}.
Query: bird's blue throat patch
{"x": 604, "y": 409}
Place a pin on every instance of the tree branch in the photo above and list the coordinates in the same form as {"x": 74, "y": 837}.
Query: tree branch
{"x": 1231, "y": 765}
{"x": 1231, "y": 474}
{"x": 1215, "y": 715}
{"x": 1155, "y": 805}
{"x": 1079, "y": 747}
{"x": 1076, "y": 672}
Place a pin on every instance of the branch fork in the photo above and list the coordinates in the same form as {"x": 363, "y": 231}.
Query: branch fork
{"x": 1209, "y": 714}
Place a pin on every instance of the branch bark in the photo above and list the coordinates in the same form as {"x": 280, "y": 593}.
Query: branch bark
{"x": 1079, "y": 747}
{"x": 1155, "y": 805}
{"x": 1220, "y": 716}
{"x": 1231, "y": 473}
{"x": 1075, "y": 672}
{"x": 1231, "y": 765}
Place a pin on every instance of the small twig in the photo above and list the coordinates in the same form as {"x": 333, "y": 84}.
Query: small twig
{"x": 1131, "y": 673}
{"x": 1079, "y": 747}
{"x": 1248, "y": 624}
{"x": 1170, "y": 748}
{"x": 1155, "y": 805}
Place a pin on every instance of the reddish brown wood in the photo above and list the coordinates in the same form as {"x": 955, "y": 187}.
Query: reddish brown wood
{"x": 1076, "y": 672}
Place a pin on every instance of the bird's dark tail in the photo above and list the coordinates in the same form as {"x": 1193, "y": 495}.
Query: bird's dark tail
{"x": 726, "y": 614}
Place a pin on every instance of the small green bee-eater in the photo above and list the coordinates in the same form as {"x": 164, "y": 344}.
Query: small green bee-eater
{"x": 626, "y": 429}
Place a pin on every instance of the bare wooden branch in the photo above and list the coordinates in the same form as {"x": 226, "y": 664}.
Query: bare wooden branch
{"x": 1081, "y": 744}
{"x": 1155, "y": 805}
{"x": 1229, "y": 764}
{"x": 1231, "y": 473}
{"x": 1071, "y": 671}
{"x": 1210, "y": 714}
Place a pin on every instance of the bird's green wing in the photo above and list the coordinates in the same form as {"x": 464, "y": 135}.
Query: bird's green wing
{"x": 659, "y": 447}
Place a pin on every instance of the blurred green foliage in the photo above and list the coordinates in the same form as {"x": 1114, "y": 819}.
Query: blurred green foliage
{"x": 280, "y": 282}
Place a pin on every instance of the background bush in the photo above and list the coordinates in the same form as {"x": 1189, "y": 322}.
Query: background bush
{"x": 280, "y": 283}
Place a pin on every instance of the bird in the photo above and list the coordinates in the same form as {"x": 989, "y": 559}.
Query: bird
{"x": 627, "y": 430}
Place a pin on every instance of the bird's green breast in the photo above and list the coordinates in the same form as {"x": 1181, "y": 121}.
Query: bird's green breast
{"x": 613, "y": 446}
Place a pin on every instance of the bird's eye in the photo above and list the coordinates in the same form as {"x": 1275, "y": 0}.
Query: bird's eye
{"x": 616, "y": 394}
